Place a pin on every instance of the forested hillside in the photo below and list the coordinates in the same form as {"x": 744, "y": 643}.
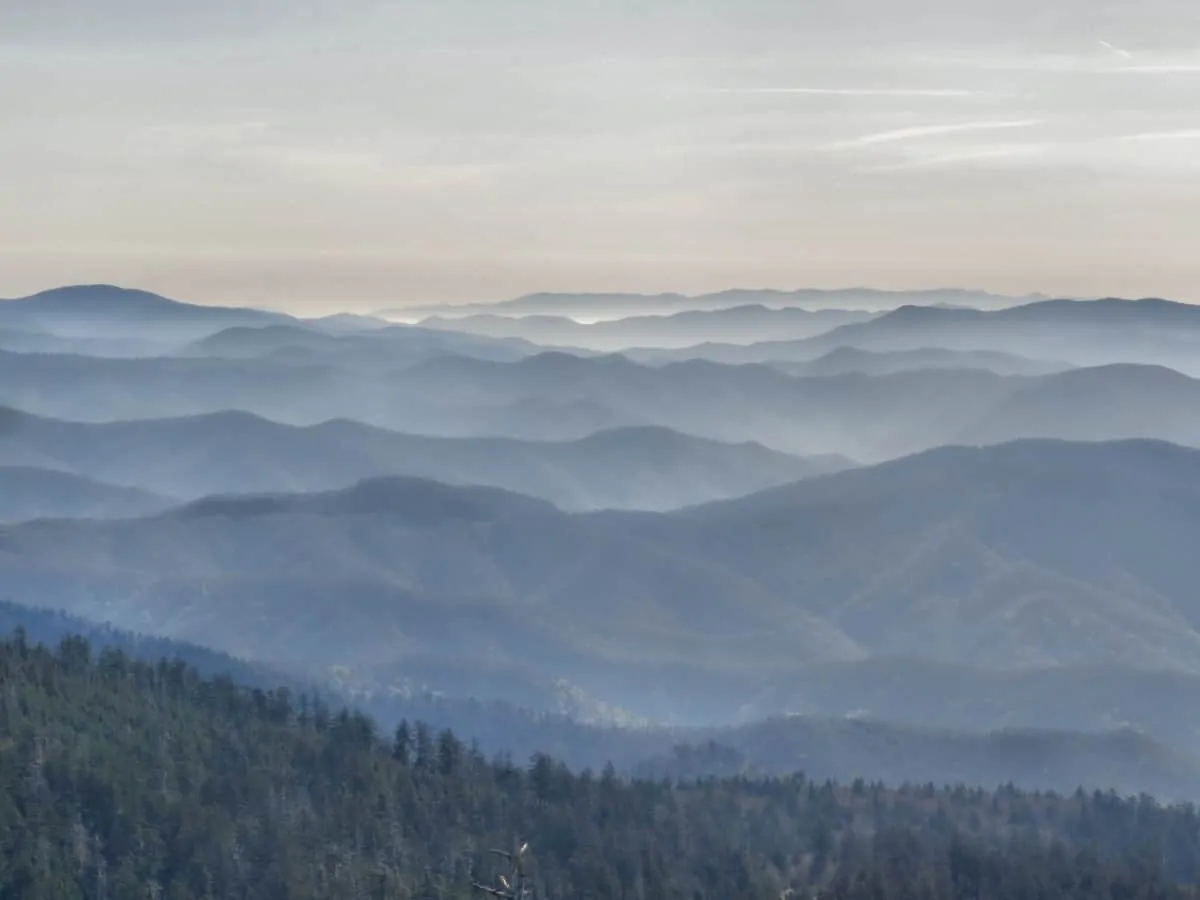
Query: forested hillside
{"x": 124, "y": 779}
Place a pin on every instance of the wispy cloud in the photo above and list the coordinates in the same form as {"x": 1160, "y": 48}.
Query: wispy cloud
{"x": 925, "y": 131}
{"x": 1188, "y": 68}
{"x": 966, "y": 157}
{"x": 1107, "y": 60}
{"x": 1120, "y": 51}
{"x": 854, "y": 92}
{"x": 1192, "y": 134}
{"x": 275, "y": 152}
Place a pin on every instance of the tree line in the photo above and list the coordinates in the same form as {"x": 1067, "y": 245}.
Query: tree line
{"x": 122, "y": 778}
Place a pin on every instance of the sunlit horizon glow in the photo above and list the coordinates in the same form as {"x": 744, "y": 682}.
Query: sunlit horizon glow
{"x": 364, "y": 154}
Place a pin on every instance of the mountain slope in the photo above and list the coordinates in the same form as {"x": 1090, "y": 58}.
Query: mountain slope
{"x": 843, "y": 749}
{"x": 1092, "y": 698}
{"x": 1027, "y": 554}
{"x": 1085, "y": 333}
{"x": 1096, "y": 404}
{"x": 33, "y": 493}
{"x": 639, "y": 468}
{"x": 92, "y": 311}
{"x": 1022, "y": 553}
{"x": 403, "y": 568}
{"x": 144, "y": 778}
{"x": 1123, "y": 761}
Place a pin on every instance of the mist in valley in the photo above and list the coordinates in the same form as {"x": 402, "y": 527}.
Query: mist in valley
{"x": 758, "y": 443}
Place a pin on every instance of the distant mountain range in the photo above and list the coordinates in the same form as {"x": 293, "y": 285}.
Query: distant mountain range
{"x": 862, "y": 417}
{"x": 738, "y": 324}
{"x": 1030, "y": 554}
{"x": 1059, "y": 332}
{"x": 592, "y": 306}
{"x": 537, "y": 544}
{"x": 387, "y": 347}
{"x": 852, "y": 361}
{"x": 562, "y": 397}
{"x": 105, "y": 311}
{"x": 227, "y": 453}
{"x": 108, "y": 321}
{"x": 1087, "y": 333}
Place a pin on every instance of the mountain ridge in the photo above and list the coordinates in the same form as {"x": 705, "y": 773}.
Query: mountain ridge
{"x": 633, "y": 303}
{"x": 1033, "y": 553}
{"x": 94, "y": 310}
{"x": 647, "y": 467}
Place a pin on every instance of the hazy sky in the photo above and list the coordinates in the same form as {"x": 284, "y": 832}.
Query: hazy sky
{"x": 366, "y": 153}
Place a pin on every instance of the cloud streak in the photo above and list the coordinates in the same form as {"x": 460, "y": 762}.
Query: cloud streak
{"x": 927, "y": 131}
{"x": 1192, "y": 134}
{"x": 1161, "y": 69}
{"x": 948, "y": 160}
{"x": 1119, "y": 51}
{"x": 855, "y": 92}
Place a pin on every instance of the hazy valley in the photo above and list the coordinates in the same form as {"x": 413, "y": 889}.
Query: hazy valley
{"x": 659, "y": 450}
{"x": 941, "y": 553}
{"x": 697, "y": 542}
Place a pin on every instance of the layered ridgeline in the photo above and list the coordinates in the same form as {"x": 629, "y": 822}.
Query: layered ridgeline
{"x": 605, "y": 307}
{"x": 73, "y": 467}
{"x": 560, "y": 396}
{"x": 1076, "y": 332}
{"x": 130, "y": 778}
{"x": 739, "y": 324}
{"x": 106, "y": 322}
{"x": 1032, "y": 555}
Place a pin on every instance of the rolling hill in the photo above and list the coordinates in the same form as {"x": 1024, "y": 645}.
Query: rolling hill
{"x": 854, "y": 416}
{"x": 1096, "y": 404}
{"x": 27, "y": 492}
{"x": 561, "y": 396}
{"x": 228, "y": 453}
{"x": 1030, "y": 554}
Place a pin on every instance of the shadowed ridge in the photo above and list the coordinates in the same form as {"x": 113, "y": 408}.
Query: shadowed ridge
{"x": 1160, "y": 459}
{"x": 29, "y": 492}
{"x": 113, "y": 299}
{"x": 1148, "y": 373}
{"x": 111, "y": 295}
{"x": 418, "y": 499}
{"x": 658, "y": 439}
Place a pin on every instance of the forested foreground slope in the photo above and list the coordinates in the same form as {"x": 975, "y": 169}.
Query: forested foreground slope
{"x": 121, "y": 779}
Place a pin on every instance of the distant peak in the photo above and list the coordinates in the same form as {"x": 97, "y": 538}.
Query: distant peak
{"x": 559, "y": 358}
{"x": 408, "y": 497}
{"x": 659, "y": 434}
{"x": 920, "y": 311}
{"x": 97, "y": 293}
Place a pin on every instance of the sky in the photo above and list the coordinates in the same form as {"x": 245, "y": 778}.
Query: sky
{"x": 358, "y": 154}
